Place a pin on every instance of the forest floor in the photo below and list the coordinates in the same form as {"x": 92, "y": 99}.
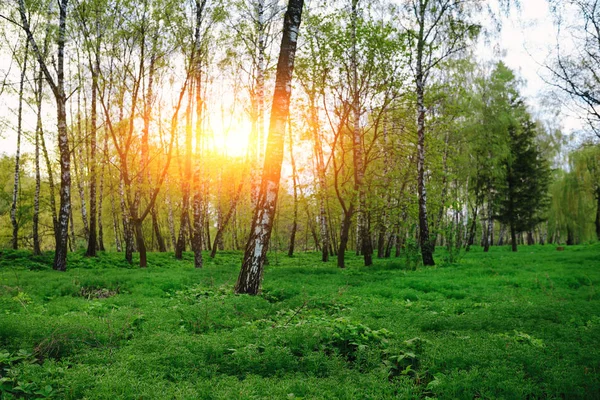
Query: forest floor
{"x": 496, "y": 325}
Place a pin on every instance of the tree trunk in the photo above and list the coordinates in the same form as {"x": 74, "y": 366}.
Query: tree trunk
{"x": 91, "y": 249}
{"x": 344, "y": 236}
{"x": 101, "y": 199}
{"x": 259, "y": 102}
{"x": 363, "y": 236}
{"x": 197, "y": 206}
{"x": 570, "y": 236}
{"x": 322, "y": 188}
{"x": 295, "y": 184}
{"x": 206, "y": 222}
{"x": 60, "y": 255}
{"x": 71, "y": 240}
{"x": 381, "y": 242}
{"x": 438, "y": 223}
{"x": 139, "y": 241}
{"x": 127, "y": 226}
{"x": 15, "y": 196}
{"x": 501, "y": 234}
{"x": 490, "y": 229}
{"x": 156, "y": 228}
{"x": 60, "y": 221}
{"x": 400, "y": 242}
{"x": 390, "y": 244}
{"x": 471, "y": 237}
{"x": 530, "y": 239}
{"x": 513, "y": 236}
{"x": 38, "y": 180}
{"x": 251, "y": 273}
{"x": 78, "y": 162}
{"x": 115, "y": 220}
{"x": 426, "y": 248}
{"x": 225, "y": 221}
{"x": 184, "y": 220}
{"x": 170, "y": 219}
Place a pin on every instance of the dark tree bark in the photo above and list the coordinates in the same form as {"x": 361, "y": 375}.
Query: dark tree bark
{"x": 344, "y": 236}
{"x": 156, "y": 228}
{"x": 91, "y": 249}
{"x": 140, "y": 242}
{"x": 530, "y": 239}
{"x": 488, "y": 240}
{"x": 471, "y": 236}
{"x": 127, "y": 226}
{"x": 170, "y": 218}
{"x": 570, "y": 236}
{"x": 250, "y": 277}
{"x": 115, "y": 220}
{"x": 513, "y": 237}
{"x": 295, "y": 184}
{"x": 225, "y": 220}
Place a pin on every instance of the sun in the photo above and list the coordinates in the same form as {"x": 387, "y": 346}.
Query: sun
{"x": 231, "y": 138}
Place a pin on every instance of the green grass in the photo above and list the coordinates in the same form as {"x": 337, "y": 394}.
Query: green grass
{"x": 495, "y": 325}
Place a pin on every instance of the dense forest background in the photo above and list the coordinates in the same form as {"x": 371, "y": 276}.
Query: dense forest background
{"x": 142, "y": 126}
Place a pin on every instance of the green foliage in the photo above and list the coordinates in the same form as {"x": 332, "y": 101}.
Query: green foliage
{"x": 495, "y": 325}
{"x": 349, "y": 338}
{"x": 523, "y": 197}
{"x": 412, "y": 254}
{"x": 13, "y": 383}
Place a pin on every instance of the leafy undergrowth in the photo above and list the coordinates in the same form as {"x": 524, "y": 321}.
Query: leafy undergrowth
{"x": 495, "y": 325}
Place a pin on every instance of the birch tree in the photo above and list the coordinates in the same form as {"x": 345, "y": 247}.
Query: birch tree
{"x": 250, "y": 277}
{"x": 57, "y": 85}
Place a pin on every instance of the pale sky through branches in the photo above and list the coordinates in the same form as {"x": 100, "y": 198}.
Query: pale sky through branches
{"x": 527, "y": 38}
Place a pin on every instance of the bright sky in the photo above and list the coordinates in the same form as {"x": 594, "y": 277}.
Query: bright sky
{"x": 527, "y": 39}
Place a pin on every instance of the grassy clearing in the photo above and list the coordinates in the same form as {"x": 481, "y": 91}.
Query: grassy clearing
{"x": 496, "y": 325}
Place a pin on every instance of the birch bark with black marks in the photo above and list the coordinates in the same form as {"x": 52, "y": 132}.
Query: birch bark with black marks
{"x": 420, "y": 79}
{"x": 363, "y": 235}
{"x": 322, "y": 188}
{"x": 15, "y": 195}
{"x": 57, "y": 86}
{"x": 250, "y": 277}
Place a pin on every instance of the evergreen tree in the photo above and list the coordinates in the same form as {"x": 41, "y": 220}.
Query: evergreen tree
{"x": 523, "y": 196}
